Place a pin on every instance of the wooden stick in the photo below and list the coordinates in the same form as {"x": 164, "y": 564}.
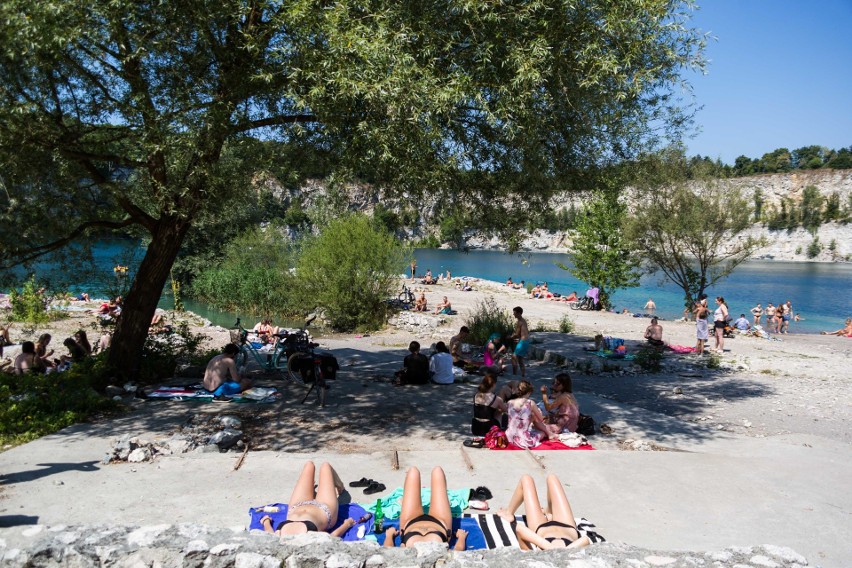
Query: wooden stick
{"x": 535, "y": 459}
{"x": 466, "y": 458}
{"x": 395, "y": 460}
{"x": 242, "y": 458}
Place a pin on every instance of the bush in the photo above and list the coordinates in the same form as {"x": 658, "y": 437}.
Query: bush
{"x": 487, "y": 318}
{"x": 253, "y": 275}
{"x": 29, "y": 305}
{"x": 566, "y": 324}
{"x": 43, "y": 404}
{"x": 649, "y": 359}
{"x": 350, "y": 270}
{"x": 814, "y": 248}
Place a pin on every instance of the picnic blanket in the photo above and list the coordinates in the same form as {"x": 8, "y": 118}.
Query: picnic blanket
{"x": 392, "y": 504}
{"x": 496, "y": 532}
{"x": 198, "y": 392}
{"x": 548, "y": 445}
{"x": 278, "y": 512}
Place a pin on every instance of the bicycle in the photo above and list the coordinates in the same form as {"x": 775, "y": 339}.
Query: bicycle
{"x": 406, "y": 297}
{"x": 292, "y": 354}
{"x": 586, "y": 303}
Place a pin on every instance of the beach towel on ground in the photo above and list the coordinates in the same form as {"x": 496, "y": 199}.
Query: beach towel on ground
{"x": 681, "y": 348}
{"x": 353, "y": 510}
{"x": 496, "y": 532}
{"x": 475, "y": 538}
{"x": 548, "y": 445}
{"x": 197, "y": 392}
{"x": 392, "y": 504}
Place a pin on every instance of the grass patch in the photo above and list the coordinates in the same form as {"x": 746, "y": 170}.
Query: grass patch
{"x": 714, "y": 361}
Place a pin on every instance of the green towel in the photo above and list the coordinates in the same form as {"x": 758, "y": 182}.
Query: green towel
{"x": 392, "y": 503}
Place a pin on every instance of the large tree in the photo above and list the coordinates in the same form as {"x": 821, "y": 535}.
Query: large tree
{"x": 689, "y": 230}
{"x": 119, "y": 116}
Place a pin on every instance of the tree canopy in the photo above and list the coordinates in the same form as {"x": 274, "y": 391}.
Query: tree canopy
{"x": 143, "y": 115}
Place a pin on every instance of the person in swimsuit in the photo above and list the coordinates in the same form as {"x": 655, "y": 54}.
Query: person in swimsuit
{"x": 487, "y": 406}
{"x": 757, "y": 312}
{"x": 720, "y": 320}
{"x": 557, "y": 531}
{"x": 701, "y": 326}
{"x": 312, "y": 510}
{"x": 522, "y": 348}
{"x": 846, "y": 331}
{"x": 493, "y": 354}
{"x": 419, "y": 527}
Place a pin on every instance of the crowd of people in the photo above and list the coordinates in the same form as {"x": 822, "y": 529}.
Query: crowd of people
{"x": 315, "y": 503}
{"x": 38, "y": 357}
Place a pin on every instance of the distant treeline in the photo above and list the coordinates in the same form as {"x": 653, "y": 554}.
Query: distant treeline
{"x": 778, "y": 161}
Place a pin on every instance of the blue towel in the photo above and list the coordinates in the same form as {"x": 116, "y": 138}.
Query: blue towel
{"x": 356, "y": 532}
{"x": 475, "y": 538}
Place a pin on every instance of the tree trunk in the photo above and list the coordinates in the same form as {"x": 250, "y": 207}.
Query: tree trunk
{"x": 131, "y": 330}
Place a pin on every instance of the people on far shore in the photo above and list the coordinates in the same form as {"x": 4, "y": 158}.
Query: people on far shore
{"x": 654, "y": 334}
{"x": 844, "y": 332}
{"x": 757, "y": 312}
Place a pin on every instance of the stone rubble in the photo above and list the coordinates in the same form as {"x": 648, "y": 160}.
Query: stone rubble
{"x": 200, "y": 433}
{"x": 198, "y": 545}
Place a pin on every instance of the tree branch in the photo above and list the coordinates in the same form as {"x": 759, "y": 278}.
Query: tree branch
{"x": 276, "y": 121}
{"x": 36, "y": 252}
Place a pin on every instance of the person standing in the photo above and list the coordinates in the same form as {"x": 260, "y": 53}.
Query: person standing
{"x": 522, "y": 348}
{"x": 757, "y": 312}
{"x": 720, "y": 320}
{"x": 779, "y": 317}
{"x": 701, "y": 332}
{"x": 413, "y": 269}
{"x": 788, "y": 314}
{"x": 650, "y": 306}
{"x": 770, "y": 316}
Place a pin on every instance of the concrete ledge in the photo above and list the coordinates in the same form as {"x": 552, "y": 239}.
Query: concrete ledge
{"x": 198, "y": 545}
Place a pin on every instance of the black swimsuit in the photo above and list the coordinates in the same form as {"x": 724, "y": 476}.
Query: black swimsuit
{"x": 567, "y": 541}
{"x": 406, "y": 534}
{"x": 308, "y": 525}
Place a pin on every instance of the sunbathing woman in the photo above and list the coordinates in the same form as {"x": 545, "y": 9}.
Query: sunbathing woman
{"x": 312, "y": 510}
{"x": 847, "y": 331}
{"x": 558, "y": 532}
{"x": 419, "y": 527}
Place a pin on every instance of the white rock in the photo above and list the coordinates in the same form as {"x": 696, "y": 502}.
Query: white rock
{"x": 146, "y": 536}
{"x": 339, "y": 560}
{"x": 255, "y": 560}
{"x": 139, "y": 455}
{"x": 784, "y": 553}
{"x": 761, "y": 560}
{"x": 224, "y": 548}
{"x": 660, "y": 560}
{"x": 196, "y": 546}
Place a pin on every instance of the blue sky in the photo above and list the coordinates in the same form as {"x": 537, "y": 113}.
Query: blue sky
{"x": 780, "y": 75}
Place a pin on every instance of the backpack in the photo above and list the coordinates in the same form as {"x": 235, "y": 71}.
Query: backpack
{"x": 586, "y": 425}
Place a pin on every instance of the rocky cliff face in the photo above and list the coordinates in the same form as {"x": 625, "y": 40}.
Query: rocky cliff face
{"x": 834, "y": 239}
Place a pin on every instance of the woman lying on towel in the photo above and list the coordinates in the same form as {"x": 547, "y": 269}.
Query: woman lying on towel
{"x": 546, "y": 529}
{"x": 415, "y": 526}
{"x": 312, "y": 510}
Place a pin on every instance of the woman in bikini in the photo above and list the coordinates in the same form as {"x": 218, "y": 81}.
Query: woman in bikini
{"x": 419, "y": 527}
{"x": 548, "y": 529}
{"x": 312, "y": 510}
{"x": 487, "y": 406}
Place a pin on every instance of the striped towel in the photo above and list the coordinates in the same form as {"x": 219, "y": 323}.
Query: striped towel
{"x": 498, "y": 533}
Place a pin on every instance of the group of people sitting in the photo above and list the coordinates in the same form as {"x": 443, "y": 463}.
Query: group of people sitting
{"x": 37, "y": 357}
{"x": 526, "y": 423}
{"x": 314, "y": 505}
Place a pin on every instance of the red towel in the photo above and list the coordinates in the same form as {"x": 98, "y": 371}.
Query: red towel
{"x": 548, "y": 445}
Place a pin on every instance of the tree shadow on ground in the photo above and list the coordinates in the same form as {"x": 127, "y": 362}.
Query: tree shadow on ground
{"x": 46, "y": 470}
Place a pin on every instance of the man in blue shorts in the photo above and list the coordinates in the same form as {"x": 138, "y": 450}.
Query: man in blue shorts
{"x": 219, "y": 370}
{"x": 522, "y": 348}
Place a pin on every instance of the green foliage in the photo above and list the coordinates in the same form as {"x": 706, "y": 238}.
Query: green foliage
{"x": 690, "y": 232}
{"x": 649, "y": 359}
{"x": 162, "y": 354}
{"x": 253, "y": 275}
{"x": 296, "y": 216}
{"x": 452, "y": 227}
{"x": 178, "y": 303}
{"x": 386, "y": 219}
{"x": 429, "y": 241}
{"x": 35, "y": 405}
{"x": 810, "y": 209}
{"x": 566, "y": 324}
{"x": 714, "y": 361}
{"x": 600, "y": 253}
{"x": 28, "y": 304}
{"x": 814, "y": 248}
{"x": 758, "y": 204}
{"x": 488, "y": 317}
{"x": 349, "y": 271}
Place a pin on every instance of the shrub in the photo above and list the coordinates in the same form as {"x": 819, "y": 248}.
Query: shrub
{"x": 43, "y": 404}
{"x": 30, "y": 305}
{"x": 814, "y": 248}
{"x": 649, "y": 359}
{"x": 487, "y": 318}
{"x": 566, "y": 324}
{"x": 714, "y": 361}
{"x": 163, "y": 352}
{"x": 350, "y": 270}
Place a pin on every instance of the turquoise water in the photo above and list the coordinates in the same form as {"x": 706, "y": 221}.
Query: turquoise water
{"x": 820, "y": 292}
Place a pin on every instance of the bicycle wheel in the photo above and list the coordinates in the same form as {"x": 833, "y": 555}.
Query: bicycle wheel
{"x": 578, "y": 305}
{"x": 296, "y": 368}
